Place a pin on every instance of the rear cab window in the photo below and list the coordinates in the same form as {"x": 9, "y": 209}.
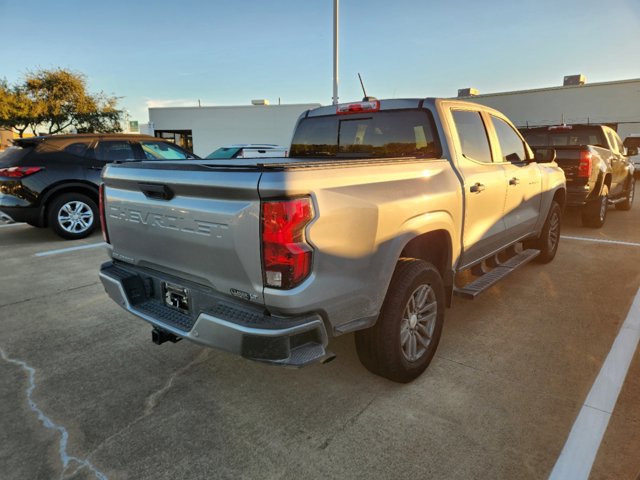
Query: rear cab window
{"x": 565, "y": 137}
{"x": 382, "y": 134}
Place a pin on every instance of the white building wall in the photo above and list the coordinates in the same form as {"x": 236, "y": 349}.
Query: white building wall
{"x": 213, "y": 127}
{"x": 610, "y": 102}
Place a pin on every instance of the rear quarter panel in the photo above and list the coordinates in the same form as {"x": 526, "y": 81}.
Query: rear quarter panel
{"x": 364, "y": 216}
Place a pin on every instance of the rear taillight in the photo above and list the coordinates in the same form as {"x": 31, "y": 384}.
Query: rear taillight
{"x": 584, "y": 168}
{"x": 19, "y": 172}
{"x": 103, "y": 219}
{"x": 360, "y": 107}
{"x": 286, "y": 257}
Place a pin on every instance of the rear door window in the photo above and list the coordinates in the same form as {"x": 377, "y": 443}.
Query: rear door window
{"x": 114, "y": 150}
{"x": 510, "y": 142}
{"x": 78, "y": 149}
{"x": 472, "y": 135}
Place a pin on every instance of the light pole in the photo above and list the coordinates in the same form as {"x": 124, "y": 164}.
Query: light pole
{"x": 336, "y": 8}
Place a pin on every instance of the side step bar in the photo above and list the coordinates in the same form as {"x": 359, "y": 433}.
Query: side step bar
{"x": 475, "y": 288}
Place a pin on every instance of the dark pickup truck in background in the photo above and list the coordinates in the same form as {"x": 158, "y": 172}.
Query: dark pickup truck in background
{"x": 595, "y": 164}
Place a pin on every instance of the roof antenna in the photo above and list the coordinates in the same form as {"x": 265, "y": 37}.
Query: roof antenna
{"x": 365, "y": 98}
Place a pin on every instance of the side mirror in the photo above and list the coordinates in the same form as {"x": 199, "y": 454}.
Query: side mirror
{"x": 544, "y": 154}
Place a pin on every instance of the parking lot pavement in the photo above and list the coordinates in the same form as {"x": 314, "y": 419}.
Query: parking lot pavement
{"x": 85, "y": 394}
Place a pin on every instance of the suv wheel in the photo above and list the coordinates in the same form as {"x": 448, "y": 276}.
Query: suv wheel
{"x": 595, "y": 213}
{"x": 73, "y": 215}
{"x": 403, "y": 341}
{"x": 628, "y": 200}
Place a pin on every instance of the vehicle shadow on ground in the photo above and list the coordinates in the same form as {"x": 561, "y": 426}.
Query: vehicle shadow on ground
{"x": 26, "y": 235}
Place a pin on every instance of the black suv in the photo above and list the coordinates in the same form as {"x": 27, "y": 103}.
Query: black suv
{"x": 54, "y": 181}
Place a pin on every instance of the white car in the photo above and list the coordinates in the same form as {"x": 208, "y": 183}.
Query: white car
{"x": 250, "y": 150}
{"x": 633, "y": 142}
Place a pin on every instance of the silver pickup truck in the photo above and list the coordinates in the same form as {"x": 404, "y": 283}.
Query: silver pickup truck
{"x": 370, "y": 226}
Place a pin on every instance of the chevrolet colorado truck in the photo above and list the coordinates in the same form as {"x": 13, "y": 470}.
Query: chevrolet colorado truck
{"x": 369, "y": 226}
{"x": 596, "y": 166}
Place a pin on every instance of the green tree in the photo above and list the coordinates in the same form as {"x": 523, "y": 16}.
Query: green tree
{"x": 56, "y": 100}
{"x": 17, "y": 110}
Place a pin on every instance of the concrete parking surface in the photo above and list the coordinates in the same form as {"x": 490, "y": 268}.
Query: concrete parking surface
{"x": 85, "y": 394}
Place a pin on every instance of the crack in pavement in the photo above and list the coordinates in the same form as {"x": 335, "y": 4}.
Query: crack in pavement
{"x": 350, "y": 421}
{"x": 154, "y": 398}
{"x": 48, "y": 295}
{"x": 67, "y": 460}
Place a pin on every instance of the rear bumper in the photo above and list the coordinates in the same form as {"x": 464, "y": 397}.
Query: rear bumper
{"x": 220, "y": 322}
{"x": 579, "y": 196}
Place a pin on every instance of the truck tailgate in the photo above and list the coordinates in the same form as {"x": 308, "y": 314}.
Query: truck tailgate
{"x": 201, "y": 225}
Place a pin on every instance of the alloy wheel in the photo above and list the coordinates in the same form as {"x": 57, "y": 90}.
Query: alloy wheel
{"x": 75, "y": 217}
{"x": 418, "y": 323}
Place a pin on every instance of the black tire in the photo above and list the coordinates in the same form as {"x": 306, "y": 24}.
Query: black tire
{"x": 381, "y": 348}
{"x": 594, "y": 213}
{"x": 549, "y": 238}
{"x": 73, "y": 216}
{"x": 628, "y": 200}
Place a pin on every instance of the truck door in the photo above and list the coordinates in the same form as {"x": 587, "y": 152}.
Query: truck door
{"x": 524, "y": 181}
{"x": 484, "y": 186}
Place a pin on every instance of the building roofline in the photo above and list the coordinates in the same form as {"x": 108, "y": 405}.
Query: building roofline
{"x": 557, "y": 87}
{"x": 237, "y": 106}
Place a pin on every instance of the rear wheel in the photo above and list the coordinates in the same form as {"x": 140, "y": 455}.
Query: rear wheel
{"x": 73, "y": 215}
{"x": 595, "y": 213}
{"x": 403, "y": 342}
{"x": 628, "y": 200}
{"x": 549, "y": 239}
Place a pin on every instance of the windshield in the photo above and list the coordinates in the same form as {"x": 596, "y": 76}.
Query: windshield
{"x": 164, "y": 151}
{"x": 224, "y": 152}
{"x": 386, "y": 134}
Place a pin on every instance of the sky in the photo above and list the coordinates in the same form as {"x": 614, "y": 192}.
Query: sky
{"x": 228, "y": 52}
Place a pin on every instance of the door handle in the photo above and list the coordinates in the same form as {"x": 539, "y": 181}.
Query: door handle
{"x": 476, "y": 188}
{"x": 514, "y": 181}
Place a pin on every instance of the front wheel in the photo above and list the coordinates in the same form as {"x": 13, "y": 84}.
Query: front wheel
{"x": 595, "y": 213}
{"x": 73, "y": 215}
{"x": 403, "y": 342}
{"x": 628, "y": 199}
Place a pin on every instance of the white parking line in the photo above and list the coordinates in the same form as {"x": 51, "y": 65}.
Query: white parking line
{"x": 11, "y": 224}
{"x": 70, "y": 249}
{"x": 600, "y": 240}
{"x": 577, "y": 457}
